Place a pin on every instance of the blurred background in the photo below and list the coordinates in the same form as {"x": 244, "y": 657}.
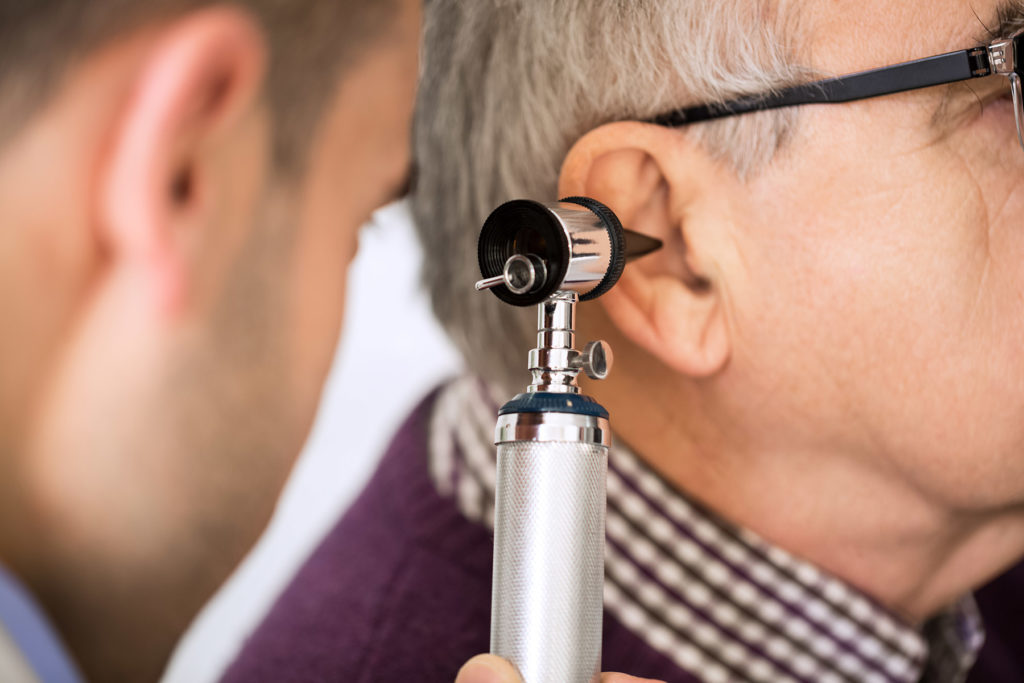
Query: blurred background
{"x": 389, "y": 334}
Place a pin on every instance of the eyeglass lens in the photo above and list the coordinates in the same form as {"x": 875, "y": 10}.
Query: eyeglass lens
{"x": 1018, "y": 102}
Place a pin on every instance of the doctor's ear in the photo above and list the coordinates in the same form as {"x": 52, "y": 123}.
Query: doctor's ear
{"x": 660, "y": 183}
{"x": 174, "y": 147}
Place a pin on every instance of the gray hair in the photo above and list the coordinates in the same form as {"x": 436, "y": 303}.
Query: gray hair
{"x": 508, "y": 87}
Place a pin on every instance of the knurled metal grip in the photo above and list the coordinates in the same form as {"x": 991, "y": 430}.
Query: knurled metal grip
{"x": 548, "y": 582}
{"x": 547, "y": 598}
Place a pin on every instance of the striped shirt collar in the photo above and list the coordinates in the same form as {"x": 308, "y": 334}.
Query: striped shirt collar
{"x": 721, "y": 602}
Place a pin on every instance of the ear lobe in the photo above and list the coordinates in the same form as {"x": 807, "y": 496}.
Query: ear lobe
{"x": 659, "y": 185}
{"x": 197, "y": 82}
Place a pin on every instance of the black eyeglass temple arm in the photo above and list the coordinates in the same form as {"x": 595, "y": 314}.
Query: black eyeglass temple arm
{"x": 952, "y": 67}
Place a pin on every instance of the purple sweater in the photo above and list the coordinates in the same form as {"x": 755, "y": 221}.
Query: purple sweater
{"x": 399, "y": 590}
{"x": 1002, "y": 608}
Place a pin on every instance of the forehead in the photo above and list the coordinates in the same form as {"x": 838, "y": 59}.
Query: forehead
{"x": 850, "y": 35}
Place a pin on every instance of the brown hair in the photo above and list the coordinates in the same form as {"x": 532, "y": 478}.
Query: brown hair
{"x": 310, "y": 42}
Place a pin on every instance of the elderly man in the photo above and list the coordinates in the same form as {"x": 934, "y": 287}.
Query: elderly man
{"x": 181, "y": 184}
{"x": 817, "y": 394}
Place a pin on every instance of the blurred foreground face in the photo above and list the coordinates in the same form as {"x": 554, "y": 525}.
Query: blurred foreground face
{"x": 170, "y": 302}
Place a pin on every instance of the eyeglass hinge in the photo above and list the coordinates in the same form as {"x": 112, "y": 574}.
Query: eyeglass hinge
{"x": 1002, "y": 57}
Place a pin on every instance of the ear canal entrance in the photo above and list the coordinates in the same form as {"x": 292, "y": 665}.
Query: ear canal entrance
{"x": 181, "y": 189}
{"x": 218, "y": 92}
{"x": 694, "y": 280}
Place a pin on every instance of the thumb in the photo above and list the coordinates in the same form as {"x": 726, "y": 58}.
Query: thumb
{"x": 488, "y": 669}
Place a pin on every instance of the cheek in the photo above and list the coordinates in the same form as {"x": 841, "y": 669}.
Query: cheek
{"x": 361, "y": 152}
{"x": 884, "y": 298}
{"x": 843, "y": 266}
{"x": 346, "y": 179}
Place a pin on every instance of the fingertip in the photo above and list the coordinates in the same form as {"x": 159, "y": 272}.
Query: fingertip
{"x": 488, "y": 669}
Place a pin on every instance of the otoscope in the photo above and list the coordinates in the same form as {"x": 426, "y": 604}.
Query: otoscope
{"x": 548, "y": 577}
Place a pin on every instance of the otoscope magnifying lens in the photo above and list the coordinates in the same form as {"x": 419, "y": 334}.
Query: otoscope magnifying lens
{"x": 520, "y": 277}
{"x": 523, "y": 274}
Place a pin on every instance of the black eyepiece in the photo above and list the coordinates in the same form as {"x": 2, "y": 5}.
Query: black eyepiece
{"x": 533, "y": 250}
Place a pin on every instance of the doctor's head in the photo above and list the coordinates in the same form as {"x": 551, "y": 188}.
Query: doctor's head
{"x": 181, "y": 184}
{"x": 841, "y": 283}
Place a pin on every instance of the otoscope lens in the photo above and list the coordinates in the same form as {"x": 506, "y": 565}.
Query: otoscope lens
{"x": 520, "y": 275}
{"x": 524, "y": 274}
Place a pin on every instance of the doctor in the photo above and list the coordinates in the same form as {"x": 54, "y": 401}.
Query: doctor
{"x": 181, "y": 185}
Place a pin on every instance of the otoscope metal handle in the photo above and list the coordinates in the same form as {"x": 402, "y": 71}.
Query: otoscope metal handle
{"x": 547, "y": 599}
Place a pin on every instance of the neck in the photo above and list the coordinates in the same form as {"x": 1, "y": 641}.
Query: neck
{"x": 116, "y": 635}
{"x": 120, "y": 621}
{"x": 862, "y": 523}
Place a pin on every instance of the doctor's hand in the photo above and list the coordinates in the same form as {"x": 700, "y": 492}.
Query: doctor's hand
{"x": 494, "y": 669}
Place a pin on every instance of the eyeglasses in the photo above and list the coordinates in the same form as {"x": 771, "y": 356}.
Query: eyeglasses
{"x": 1001, "y": 58}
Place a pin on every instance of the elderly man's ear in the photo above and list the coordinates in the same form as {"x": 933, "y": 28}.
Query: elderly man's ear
{"x": 672, "y": 304}
{"x": 185, "y": 156}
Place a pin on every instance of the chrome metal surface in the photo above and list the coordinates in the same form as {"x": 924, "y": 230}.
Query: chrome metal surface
{"x": 554, "y": 358}
{"x": 556, "y": 321}
{"x": 489, "y": 283}
{"x": 553, "y": 364}
{"x": 547, "y": 598}
{"x": 523, "y": 274}
{"x": 1002, "y": 56}
{"x": 589, "y": 245}
{"x": 596, "y": 359}
{"x": 548, "y": 368}
{"x": 548, "y": 427}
